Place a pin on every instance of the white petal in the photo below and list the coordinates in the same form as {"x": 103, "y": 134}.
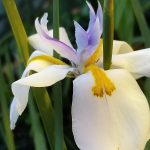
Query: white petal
{"x": 13, "y": 114}
{"x": 36, "y": 65}
{"x": 63, "y": 36}
{"x": 120, "y": 47}
{"x": 117, "y": 122}
{"x": 37, "y": 53}
{"x": 44, "y": 21}
{"x": 44, "y": 78}
{"x": 136, "y": 62}
{"x": 38, "y": 43}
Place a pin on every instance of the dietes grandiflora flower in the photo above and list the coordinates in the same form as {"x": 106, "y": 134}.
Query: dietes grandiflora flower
{"x": 109, "y": 110}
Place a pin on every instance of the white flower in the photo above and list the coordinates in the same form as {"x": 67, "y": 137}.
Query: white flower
{"x": 109, "y": 110}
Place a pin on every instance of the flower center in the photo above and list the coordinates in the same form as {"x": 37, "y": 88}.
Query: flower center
{"x": 103, "y": 85}
{"x": 96, "y": 55}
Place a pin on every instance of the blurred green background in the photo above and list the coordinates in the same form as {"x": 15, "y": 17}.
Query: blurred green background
{"x": 132, "y": 24}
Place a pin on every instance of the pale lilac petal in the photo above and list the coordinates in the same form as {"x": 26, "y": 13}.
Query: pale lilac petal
{"x": 92, "y": 16}
{"x": 100, "y": 16}
{"x": 87, "y": 53}
{"x": 81, "y": 37}
{"x": 38, "y": 43}
{"x": 95, "y": 33}
{"x": 93, "y": 42}
{"x": 96, "y": 24}
{"x": 60, "y": 47}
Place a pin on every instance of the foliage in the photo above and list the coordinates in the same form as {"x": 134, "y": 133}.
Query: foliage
{"x": 131, "y": 25}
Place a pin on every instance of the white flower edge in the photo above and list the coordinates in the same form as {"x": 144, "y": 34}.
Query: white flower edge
{"x": 136, "y": 62}
{"x": 120, "y": 121}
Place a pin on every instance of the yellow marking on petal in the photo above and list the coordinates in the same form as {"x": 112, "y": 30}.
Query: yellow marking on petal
{"x": 103, "y": 84}
{"x": 96, "y": 55}
{"x": 47, "y": 58}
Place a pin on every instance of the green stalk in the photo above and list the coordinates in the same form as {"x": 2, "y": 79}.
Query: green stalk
{"x": 108, "y": 32}
{"x": 38, "y": 134}
{"x": 57, "y": 88}
{"x": 41, "y": 95}
{"x": 17, "y": 27}
{"x": 143, "y": 26}
{"x": 44, "y": 105}
{"x": 5, "y": 114}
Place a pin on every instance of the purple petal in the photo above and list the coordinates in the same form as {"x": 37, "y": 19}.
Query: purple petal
{"x": 60, "y": 47}
{"x": 94, "y": 34}
{"x": 88, "y": 41}
{"x": 95, "y": 25}
{"x": 88, "y": 52}
{"x": 99, "y": 14}
{"x": 81, "y": 37}
{"x": 92, "y": 16}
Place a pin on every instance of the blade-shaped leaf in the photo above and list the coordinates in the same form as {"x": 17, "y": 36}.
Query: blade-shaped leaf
{"x": 38, "y": 134}
{"x": 17, "y": 27}
{"x": 5, "y": 114}
{"x": 141, "y": 21}
{"x": 41, "y": 96}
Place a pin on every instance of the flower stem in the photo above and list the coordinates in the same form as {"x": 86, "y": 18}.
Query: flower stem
{"x": 44, "y": 105}
{"x": 41, "y": 96}
{"x": 38, "y": 137}
{"x": 108, "y": 32}
{"x": 57, "y": 88}
{"x": 5, "y": 113}
{"x": 17, "y": 28}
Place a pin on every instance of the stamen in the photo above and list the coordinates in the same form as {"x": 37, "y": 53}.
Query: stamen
{"x": 103, "y": 85}
{"x": 96, "y": 55}
{"x": 50, "y": 59}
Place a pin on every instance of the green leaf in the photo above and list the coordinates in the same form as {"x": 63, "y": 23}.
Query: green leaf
{"x": 5, "y": 113}
{"x": 146, "y": 6}
{"x": 9, "y": 67}
{"x": 41, "y": 95}
{"x": 119, "y": 11}
{"x": 57, "y": 89}
{"x": 147, "y": 147}
{"x": 38, "y": 134}
{"x": 141, "y": 21}
{"x": 124, "y": 20}
{"x": 46, "y": 111}
{"x": 17, "y": 27}
{"x": 146, "y": 89}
